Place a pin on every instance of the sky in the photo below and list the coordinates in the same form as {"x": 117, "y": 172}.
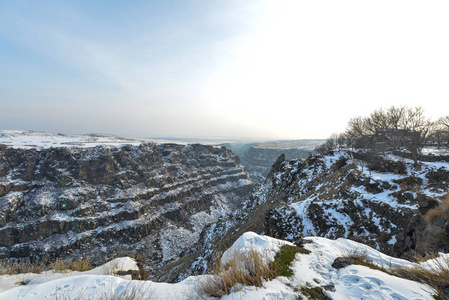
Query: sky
{"x": 218, "y": 69}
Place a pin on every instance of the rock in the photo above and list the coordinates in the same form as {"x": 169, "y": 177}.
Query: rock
{"x": 299, "y": 242}
{"x": 431, "y": 239}
{"x": 439, "y": 221}
{"x": 341, "y": 262}
{"x": 276, "y": 167}
{"x": 409, "y": 242}
{"x": 446, "y": 228}
{"x": 425, "y": 203}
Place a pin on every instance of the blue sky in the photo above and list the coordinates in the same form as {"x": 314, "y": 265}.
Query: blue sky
{"x": 224, "y": 69}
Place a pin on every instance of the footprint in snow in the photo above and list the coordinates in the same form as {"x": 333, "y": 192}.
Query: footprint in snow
{"x": 375, "y": 280}
{"x": 366, "y": 286}
{"x": 352, "y": 271}
{"x": 351, "y": 278}
{"x": 396, "y": 296}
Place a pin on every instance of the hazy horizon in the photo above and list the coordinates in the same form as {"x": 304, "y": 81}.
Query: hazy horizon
{"x": 265, "y": 70}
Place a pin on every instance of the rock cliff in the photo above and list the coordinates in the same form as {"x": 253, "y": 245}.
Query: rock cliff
{"x": 97, "y": 202}
{"x": 368, "y": 198}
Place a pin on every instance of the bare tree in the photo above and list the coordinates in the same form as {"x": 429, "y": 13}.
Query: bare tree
{"x": 444, "y": 121}
{"x": 440, "y": 134}
{"x": 416, "y": 128}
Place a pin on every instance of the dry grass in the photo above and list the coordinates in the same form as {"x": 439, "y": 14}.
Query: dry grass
{"x": 425, "y": 257}
{"x": 111, "y": 268}
{"x": 11, "y": 267}
{"x": 437, "y": 275}
{"x": 81, "y": 265}
{"x": 442, "y": 210}
{"x": 62, "y": 267}
{"x": 247, "y": 268}
{"x": 66, "y": 295}
{"x": 243, "y": 268}
{"x": 129, "y": 292}
{"x": 361, "y": 257}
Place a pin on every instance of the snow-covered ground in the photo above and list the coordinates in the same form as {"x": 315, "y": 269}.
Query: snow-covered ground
{"x": 35, "y": 139}
{"x": 312, "y": 270}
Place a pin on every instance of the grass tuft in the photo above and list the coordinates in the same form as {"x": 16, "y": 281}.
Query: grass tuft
{"x": 61, "y": 266}
{"x": 243, "y": 268}
{"x": 436, "y": 275}
{"x": 129, "y": 292}
{"x": 281, "y": 264}
{"x": 10, "y": 267}
{"x": 247, "y": 268}
{"x": 361, "y": 257}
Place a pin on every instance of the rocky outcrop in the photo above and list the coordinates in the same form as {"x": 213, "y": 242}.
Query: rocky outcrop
{"x": 96, "y": 202}
{"x": 427, "y": 232}
{"x": 357, "y": 197}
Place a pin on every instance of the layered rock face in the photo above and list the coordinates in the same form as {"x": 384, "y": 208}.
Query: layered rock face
{"x": 153, "y": 199}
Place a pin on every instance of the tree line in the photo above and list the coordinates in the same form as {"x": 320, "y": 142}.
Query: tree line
{"x": 395, "y": 128}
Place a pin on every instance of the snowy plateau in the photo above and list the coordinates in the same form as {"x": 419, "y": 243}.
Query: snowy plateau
{"x": 180, "y": 206}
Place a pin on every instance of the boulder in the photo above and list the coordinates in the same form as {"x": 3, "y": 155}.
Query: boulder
{"x": 341, "y": 262}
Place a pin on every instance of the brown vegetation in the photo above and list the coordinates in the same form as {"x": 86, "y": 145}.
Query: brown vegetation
{"x": 10, "y": 267}
{"x": 81, "y": 265}
{"x": 361, "y": 257}
{"x": 442, "y": 210}
{"x": 247, "y": 268}
{"x": 243, "y": 268}
{"x": 437, "y": 275}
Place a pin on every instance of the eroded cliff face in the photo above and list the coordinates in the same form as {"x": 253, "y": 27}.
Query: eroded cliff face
{"x": 97, "y": 202}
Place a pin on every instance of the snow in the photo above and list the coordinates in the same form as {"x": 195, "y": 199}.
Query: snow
{"x": 34, "y": 139}
{"x": 264, "y": 245}
{"x": 354, "y": 281}
{"x": 314, "y": 269}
